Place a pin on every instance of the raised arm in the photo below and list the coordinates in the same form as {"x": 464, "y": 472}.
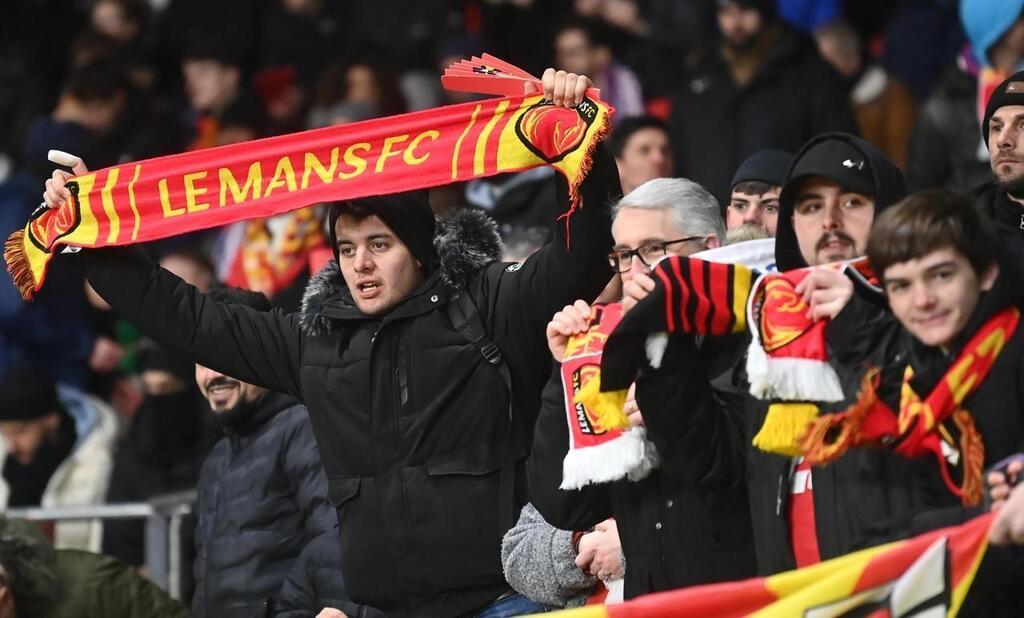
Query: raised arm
{"x": 256, "y": 347}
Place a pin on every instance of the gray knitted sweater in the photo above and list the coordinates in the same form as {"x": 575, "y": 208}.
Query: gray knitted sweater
{"x": 539, "y": 562}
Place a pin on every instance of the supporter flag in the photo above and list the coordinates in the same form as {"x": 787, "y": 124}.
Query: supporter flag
{"x": 926, "y": 576}
{"x": 166, "y": 196}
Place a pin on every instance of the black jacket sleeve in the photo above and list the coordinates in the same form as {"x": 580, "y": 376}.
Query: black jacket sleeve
{"x": 566, "y": 509}
{"x": 696, "y": 430}
{"x": 262, "y": 348}
{"x": 520, "y": 301}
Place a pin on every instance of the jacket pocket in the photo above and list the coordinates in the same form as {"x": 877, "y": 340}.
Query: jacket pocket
{"x": 453, "y": 503}
{"x": 341, "y": 490}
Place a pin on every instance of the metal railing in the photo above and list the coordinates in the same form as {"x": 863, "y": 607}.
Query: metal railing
{"x": 163, "y": 541}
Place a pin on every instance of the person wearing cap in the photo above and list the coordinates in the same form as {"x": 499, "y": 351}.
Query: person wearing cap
{"x": 754, "y": 203}
{"x": 801, "y": 515}
{"x": 945, "y": 148}
{"x": 1003, "y": 198}
{"x": 421, "y": 359}
{"x": 262, "y": 514}
{"x": 57, "y": 450}
{"x": 642, "y": 151}
{"x": 763, "y": 85}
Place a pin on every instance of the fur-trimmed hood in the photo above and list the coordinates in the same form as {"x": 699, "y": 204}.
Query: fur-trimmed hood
{"x": 466, "y": 241}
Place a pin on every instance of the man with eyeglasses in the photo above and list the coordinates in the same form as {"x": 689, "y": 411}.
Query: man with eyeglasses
{"x": 681, "y": 525}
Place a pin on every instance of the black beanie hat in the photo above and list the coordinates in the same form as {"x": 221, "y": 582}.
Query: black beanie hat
{"x": 767, "y": 166}
{"x": 1010, "y": 92}
{"x": 407, "y": 214}
{"x": 26, "y": 394}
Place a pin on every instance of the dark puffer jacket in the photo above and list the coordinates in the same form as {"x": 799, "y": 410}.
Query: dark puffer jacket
{"x": 262, "y": 504}
{"x": 410, "y": 418}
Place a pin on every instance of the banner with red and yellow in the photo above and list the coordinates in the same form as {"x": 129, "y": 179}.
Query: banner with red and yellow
{"x": 165, "y": 196}
{"x": 928, "y": 575}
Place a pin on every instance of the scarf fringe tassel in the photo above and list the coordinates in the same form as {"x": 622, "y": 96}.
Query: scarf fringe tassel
{"x": 791, "y": 379}
{"x": 630, "y": 455}
{"x": 18, "y": 266}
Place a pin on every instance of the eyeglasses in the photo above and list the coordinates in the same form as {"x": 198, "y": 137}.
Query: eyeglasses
{"x": 650, "y": 253}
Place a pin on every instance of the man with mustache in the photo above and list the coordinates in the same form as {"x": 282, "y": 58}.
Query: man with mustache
{"x": 265, "y": 532}
{"x": 1003, "y": 199}
{"x": 836, "y": 187}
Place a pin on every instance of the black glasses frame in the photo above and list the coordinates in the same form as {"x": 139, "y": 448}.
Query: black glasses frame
{"x": 623, "y": 265}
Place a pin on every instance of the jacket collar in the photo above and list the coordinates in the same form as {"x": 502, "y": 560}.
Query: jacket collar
{"x": 466, "y": 241}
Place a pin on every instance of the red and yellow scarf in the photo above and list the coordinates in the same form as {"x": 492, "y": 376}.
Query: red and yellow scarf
{"x": 922, "y": 425}
{"x": 166, "y": 196}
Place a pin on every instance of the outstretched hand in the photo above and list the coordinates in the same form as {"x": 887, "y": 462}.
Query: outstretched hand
{"x": 826, "y": 292}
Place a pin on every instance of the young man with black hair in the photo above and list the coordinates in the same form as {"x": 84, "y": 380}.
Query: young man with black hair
{"x": 421, "y": 359}
{"x": 754, "y": 203}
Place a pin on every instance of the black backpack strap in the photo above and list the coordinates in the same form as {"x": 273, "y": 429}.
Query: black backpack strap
{"x": 465, "y": 318}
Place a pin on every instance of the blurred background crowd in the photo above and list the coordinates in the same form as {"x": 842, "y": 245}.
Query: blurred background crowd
{"x": 702, "y": 83}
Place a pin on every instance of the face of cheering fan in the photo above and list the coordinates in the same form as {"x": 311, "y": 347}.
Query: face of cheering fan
{"x": 378, "y": 268}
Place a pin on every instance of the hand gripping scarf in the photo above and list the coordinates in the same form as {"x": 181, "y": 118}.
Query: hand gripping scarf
{"x": 935, "y": 425}
{"x": 602, "y": 447}
{"x": 166, "y": 196}
{"x": 788, "y": 359}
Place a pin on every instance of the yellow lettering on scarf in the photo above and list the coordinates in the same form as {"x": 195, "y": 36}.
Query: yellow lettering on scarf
{"x": 284, "y": 174}
{"x": 312, "y": 164}
{"x": 165, "y": 200}
{"x": 409, "y": 157}
{"x": 351, "y": 158}
{"x": 192, "y": 192}
{"x": 251, "y": 188}
{"x": 386, "y": 151}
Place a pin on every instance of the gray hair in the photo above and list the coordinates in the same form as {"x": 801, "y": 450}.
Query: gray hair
{"x": 694, "y": 209}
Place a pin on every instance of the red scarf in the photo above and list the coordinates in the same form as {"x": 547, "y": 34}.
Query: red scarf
{"x": 920, "y": 427}
{"x": 166, "y": 196}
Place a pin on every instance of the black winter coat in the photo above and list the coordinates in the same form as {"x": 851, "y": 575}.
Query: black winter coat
{"x": 1008, "y": 217}
{"x": 687, "y": 523}
{"x": 410, "y": 418}
{"x": 715, "y": 124}
{"x": 262, "y": 502}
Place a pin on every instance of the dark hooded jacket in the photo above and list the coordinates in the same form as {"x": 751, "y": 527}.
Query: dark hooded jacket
{"x": 1008, "y": 216}
{"x": 261, "y": 510}
{"x": 867, "y": 496}
{"x": 410, "y": 418}
{"x": 716, "y": 124}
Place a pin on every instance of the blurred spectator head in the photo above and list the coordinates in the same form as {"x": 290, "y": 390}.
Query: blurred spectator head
{"x": 91, "y": 46}
{"x": 754, "y": 202}
{"x": 162, "y": 371}
{"x": 93, "y": 96}
{"x": 1004, "y": 115}
{"x": 742, "y": 21}
{"x": 213, "y": 73}
{"x": 581, "y": 47}
{"x": 840, "y": 45}
{"x": 231, "y": 400}
{"x": 121, "y": 20}
{"x": 192, "y": 266}
{"x": 302, "y": 7}
{"x": 521, "y": 242}
{"x": 368, "y": 89}
{"x": 663, "y": 216}
{"x": 642, "y": 151}
{"x": 994, "y": 27}
{"x": 28, "y": 583}
{"x": 29, "y": 412}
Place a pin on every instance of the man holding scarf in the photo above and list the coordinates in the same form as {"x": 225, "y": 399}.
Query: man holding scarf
{"x": 420, "y": 360}
{"x": 681, "y": 521}
{"x": 801, "y": 514}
